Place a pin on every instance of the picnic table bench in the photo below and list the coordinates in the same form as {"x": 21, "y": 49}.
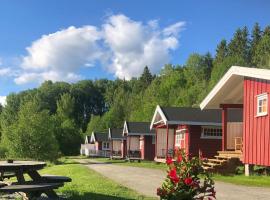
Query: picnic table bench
{"x": 34, "y": 188}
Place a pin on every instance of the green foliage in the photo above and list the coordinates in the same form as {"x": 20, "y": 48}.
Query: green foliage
{"x": 32, "y": 136}
{"x": 68, "y": 134}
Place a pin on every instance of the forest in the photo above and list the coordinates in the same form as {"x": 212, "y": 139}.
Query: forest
{"x": 52, "y": 120}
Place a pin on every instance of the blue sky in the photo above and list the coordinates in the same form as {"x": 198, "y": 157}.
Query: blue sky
{"x": 106, "y": 39}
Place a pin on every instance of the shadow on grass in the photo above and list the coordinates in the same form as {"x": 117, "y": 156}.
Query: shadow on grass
{"x": 95, "y": 196}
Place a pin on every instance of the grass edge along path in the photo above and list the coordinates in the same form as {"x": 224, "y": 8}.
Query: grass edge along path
{"x": 87, "y": 184}
{"x": 252, "y": 181}
{"x": 143, "y": 163}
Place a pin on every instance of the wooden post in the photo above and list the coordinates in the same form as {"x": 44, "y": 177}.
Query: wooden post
{"x": 156, "y": 130}
{"x": 167, "y": 144}
{"x": 224, "y": 127}
{"x": 247, "y": 169}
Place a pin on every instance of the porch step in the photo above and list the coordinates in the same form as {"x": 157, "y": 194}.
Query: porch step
{"x": 211, "y": 164}
{"x": 220, "y": 161}
{"x": 225, "y": 162}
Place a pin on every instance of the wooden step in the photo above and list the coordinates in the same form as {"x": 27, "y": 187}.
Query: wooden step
{"x": 211, "y": 164}
{"x": 216, "y": 161}
{"x": 207, "y": 168}
{"x": 223, "y": 157}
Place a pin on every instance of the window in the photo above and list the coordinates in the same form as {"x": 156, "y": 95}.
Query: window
{"x": 211, "y": 132}
{"x": 179, "y": 136}
{"x": 106, "y": 145}
{"x": 262, "y": 102}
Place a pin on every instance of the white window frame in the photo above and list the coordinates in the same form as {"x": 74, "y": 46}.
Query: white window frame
{"x": 105, "y": 145}
{"x": 179, "y": 135}
{"x": 203, "y": 136}
{"x": 261, "y": 98}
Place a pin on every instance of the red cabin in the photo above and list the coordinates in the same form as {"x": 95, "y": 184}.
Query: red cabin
{"x": 246, "y": 88}
{"x": 196, "y": 131}
{"x": 140, "y": 140}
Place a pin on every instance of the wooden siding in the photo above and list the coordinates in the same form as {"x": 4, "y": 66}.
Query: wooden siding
{"x": 208, "y": 147}
{"x": 256, "y": 129}
{"x": 234, "y": 129}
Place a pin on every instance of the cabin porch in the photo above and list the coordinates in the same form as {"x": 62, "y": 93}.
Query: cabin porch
{"x": 164, "y": 143}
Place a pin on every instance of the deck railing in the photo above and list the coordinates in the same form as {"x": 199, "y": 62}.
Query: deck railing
{"x": 238, "y": 144}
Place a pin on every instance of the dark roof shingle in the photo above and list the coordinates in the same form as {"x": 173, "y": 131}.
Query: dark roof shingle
{"x": 139, "y": 127}
{"x": 100, "y": 137}
{"x": 197, "y": 115}
{"x": 116, "y": 133}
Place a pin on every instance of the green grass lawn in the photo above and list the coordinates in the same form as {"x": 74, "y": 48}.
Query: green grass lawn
{"x": 87, "y": 184}
{"x": 255, "y": 180}
{"x": 144, "y": 163}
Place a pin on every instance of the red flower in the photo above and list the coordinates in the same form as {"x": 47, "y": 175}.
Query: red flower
{"x": 179, "y": 158}
{"x": 169, "y": 160}
{"x": 188, "y": 181}
{"x": 173, "y": 176}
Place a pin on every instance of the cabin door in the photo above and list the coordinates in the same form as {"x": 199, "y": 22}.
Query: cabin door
{"x": 180, "y": 139}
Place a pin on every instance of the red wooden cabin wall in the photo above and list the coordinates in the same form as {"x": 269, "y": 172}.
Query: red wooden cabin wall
{"x": 256, "y": 139}
{"x": 208, "y": 147}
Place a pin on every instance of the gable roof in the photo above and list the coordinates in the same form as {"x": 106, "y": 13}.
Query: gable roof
{"x": 137, "y": 128}
{"x": 87, "y": 139}
{"x": 115, "y": 133}
{"x": 99, "y": 137}
{"x": 229, "y": 90}
{"x": 193, "y": 116}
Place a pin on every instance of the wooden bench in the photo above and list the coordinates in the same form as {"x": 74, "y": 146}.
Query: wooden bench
{"x": 134, "y": 159}
{"x": 55, "y": 179}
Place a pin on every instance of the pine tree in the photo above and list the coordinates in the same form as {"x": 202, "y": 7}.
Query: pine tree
{"x": 146, "y": 77}
{"x": 256, "y": 37}
{"x": 221, "y": 51}
{"x": 239, "y": 45}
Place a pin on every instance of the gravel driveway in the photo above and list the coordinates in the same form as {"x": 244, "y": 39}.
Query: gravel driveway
{"x": 146, "y": 181}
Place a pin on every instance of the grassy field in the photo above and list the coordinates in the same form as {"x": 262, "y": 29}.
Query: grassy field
{"x": 87, "y": 184}
{"x": 145, "y": 164}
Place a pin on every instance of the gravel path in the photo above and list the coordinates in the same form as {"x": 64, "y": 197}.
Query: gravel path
{"x": 146, "y": 181}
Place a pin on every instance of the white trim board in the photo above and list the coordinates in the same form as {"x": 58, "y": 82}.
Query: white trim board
{"x": 234, "y": 71}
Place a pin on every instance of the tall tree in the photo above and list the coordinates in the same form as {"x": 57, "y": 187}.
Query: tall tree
{"x": 221, "y": 52}
{"x": 256, "y": 36}
{"x": 239, "y": 45}
{"x": 32, "y": 136}
{"x": 146, "y": 77}
{"x": 68, "y": 134}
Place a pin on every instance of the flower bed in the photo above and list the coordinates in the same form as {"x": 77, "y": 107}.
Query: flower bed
{"x": 186, "y": 179}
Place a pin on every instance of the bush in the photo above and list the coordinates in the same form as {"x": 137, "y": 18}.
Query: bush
{"x": 186, "y": 180}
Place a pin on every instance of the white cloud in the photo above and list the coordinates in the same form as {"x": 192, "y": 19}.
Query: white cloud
{"x": 5, "y": 71}
{"x": 134, "y": 45}
{"x": 58, "y": 56}
{"x": 123, "y": 47}
{"x": 3, "y": 100}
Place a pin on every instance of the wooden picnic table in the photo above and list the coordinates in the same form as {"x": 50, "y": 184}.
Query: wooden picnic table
{"x": 34, "y": 188}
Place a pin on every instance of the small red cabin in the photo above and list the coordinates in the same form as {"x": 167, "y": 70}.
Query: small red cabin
{"x": 246, "y": 88}
{"x": 196, "y": 131}
{"x": 140, "y": 140}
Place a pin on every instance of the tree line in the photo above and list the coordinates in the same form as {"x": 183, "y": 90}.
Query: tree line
{"x": 51, "y": 120}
